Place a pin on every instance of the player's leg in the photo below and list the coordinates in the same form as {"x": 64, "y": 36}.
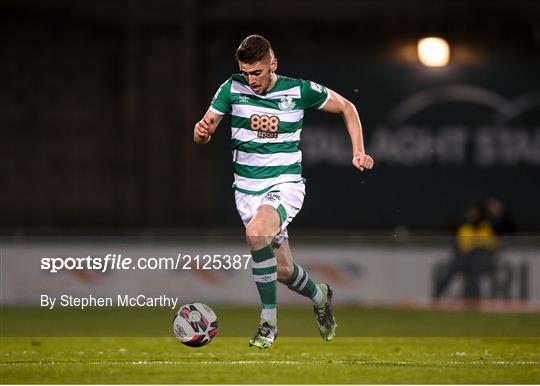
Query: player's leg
{"x": 259, "y": 234}
{"x": 298, "y": 280}
{"x": 295, "y": 277}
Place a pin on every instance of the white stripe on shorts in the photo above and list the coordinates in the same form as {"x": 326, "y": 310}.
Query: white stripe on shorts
{"x": 257, "y": 184}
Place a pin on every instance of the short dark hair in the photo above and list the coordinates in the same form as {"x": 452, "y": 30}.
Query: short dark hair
{"x": 253, "y": 49}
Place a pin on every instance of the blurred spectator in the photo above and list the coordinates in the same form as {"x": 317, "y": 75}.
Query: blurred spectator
{"x": 500, "y": 220}
{"x": 474, "y": 256}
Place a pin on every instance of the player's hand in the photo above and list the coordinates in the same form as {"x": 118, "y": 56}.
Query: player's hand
{"x": 203, "y": 130}
{"x": 362, "y": 161}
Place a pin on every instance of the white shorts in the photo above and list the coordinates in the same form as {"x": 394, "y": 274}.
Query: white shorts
{"x": 286, "y": 198}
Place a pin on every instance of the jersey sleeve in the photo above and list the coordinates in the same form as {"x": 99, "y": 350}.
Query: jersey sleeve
{"x": 221, "y": 102}
{"x": 314, "y": 95}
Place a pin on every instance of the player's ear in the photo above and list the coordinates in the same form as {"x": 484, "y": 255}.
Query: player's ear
{"x": 273, "y": 65}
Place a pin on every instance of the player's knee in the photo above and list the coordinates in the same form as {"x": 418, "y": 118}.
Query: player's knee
{"x": 257, "y": 236}
{"x": 284, "y": 273}
{"x": 253, "y": 230}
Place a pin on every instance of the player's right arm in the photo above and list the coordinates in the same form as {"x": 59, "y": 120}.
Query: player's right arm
{"x": 206, "y": 127}
{"x": 221, "y": 104}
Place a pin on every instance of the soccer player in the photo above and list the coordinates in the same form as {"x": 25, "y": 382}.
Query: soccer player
{"x": 267, "y": 111}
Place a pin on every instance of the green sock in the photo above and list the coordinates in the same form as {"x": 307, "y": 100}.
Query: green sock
{"x": 264, "y": 271}
{"x": 301, "y": 283}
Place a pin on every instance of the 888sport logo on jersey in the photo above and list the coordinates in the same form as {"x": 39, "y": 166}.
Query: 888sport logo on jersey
{"x": 265, "y": 126}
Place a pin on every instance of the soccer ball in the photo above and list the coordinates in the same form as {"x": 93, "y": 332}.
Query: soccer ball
{"x": 195, "y": 324}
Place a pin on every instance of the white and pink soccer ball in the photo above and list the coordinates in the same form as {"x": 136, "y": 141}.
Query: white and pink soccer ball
{"x": 195, "y": 324}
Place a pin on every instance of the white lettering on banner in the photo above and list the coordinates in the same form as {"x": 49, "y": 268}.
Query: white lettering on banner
{"x": 407, "y": 144}
{"x": 322, "y": 145}
{"x": 506, "y": 146}
{"x": 411, "y": 146}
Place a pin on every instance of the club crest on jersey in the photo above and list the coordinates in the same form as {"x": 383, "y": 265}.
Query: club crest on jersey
{"x": 286, "y": 103}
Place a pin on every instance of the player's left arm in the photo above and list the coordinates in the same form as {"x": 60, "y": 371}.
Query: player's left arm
{"x": 340, "y": 105}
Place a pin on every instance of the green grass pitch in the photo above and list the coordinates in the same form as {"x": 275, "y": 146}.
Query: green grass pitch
{"x": 373, "y": 346}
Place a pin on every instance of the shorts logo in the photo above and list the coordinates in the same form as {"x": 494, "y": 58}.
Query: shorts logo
{"x": 273, "y": 196}
{"x": 265, "y": 126}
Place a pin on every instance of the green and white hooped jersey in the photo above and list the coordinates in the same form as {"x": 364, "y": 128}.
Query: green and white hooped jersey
{"x": 266, "y": 129}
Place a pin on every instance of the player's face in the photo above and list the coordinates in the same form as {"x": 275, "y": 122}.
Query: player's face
{"x": 259, "y": 74}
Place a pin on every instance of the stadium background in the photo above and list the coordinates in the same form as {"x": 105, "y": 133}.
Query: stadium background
{"x": 98, "y": 102}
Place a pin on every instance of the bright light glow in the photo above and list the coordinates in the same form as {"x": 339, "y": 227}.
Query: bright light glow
{"x": 433, "y": 52}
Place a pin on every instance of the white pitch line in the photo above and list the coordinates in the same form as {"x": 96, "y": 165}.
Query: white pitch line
{"x": 352, "y": 362}
{"x": 277, "y": 362}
